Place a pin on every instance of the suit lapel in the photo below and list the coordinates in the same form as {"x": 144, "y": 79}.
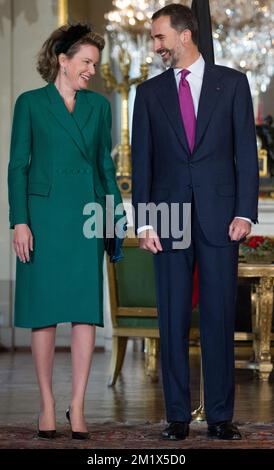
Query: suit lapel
{"x": 210, "y": 94}
{"x": 168, "y": 96}
{"x": 58, "y": 108}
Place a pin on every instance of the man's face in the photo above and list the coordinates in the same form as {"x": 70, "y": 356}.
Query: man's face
{"x": 166, "y": 41}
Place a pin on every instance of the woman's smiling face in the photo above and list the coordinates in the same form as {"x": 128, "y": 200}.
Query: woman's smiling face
{"x": 81, "y": 66}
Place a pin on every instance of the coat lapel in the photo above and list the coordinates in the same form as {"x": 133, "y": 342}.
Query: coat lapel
{"x": 83, "y": 109}
{"x": 58, "y": 108}
{"x": 168, "y": 96}
{"x": 210, "y": 94}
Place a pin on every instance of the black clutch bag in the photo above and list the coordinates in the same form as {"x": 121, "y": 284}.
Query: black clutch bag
{"x": 113, "y": 245}
{"x": 109, "y": 246}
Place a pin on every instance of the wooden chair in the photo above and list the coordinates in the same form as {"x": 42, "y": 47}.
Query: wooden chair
{"x": 133, "y": 308}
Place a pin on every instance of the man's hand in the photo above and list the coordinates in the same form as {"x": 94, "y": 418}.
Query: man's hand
{"x": 22, "y": 242}
{"x": 149, "y": 240}
{"x": 238, "y": 229}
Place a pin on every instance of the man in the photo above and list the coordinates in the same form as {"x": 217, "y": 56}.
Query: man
{"x": 194, "y": 142}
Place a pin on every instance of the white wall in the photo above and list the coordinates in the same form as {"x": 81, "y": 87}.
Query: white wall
{"x": 5, "y": 117}
{"x": 24, "y": 25}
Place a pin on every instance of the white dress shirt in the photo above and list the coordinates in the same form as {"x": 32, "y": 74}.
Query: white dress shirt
{"x": 195, "y": 80}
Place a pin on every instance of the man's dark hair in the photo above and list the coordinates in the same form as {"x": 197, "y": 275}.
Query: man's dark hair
{"x": 181, "y": 17}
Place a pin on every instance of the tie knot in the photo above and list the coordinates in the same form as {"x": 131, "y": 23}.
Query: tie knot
{"x": 184, "y": 73}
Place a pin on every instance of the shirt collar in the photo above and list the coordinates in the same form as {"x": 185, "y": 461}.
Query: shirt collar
{"x": 197, "y": 68}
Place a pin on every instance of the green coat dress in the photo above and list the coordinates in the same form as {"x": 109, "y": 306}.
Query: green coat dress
{"x": 60, "y": 162}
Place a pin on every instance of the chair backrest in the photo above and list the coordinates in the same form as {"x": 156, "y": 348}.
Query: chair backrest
{"x": 132, "y": 293}
{"x": 132, "y": 288}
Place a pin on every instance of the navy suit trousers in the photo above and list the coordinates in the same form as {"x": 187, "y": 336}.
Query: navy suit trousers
{"x": 217, "y": 267}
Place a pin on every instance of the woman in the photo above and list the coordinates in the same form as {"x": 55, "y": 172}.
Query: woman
{"x": 60, "y": 161}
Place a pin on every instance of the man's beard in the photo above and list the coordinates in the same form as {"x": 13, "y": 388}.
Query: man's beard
{"x": 171, "y": 59}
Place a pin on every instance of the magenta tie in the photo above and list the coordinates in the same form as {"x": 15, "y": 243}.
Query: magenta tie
{"x": 187, "y": 109}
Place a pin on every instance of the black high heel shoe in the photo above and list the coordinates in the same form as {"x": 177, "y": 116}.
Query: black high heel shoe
{"x": 76, "y": 434}
{"x": 49, "y": 434}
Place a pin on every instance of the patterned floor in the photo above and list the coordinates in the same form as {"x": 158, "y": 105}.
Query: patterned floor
{"x": 141, "y": 436}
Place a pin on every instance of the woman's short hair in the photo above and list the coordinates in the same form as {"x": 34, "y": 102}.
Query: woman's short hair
{"x": 67, "y": 39}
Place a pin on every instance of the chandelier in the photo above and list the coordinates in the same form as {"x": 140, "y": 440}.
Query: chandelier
{"x": 238, "y": 11}
{"x": 243, "y": 34}
{"x": 133, "y": 15}
{"x": 129, "y": 28}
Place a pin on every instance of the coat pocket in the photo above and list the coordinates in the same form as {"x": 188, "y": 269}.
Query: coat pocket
{"x": 40, "y": 189}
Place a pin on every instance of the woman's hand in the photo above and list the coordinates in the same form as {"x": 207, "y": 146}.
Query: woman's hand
{"x": 22, "y": 242}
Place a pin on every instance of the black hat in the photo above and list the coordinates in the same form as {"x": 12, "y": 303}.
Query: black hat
{"x": 70, "y": 36}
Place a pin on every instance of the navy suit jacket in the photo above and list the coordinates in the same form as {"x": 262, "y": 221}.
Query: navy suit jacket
{"x": 221, "y": 173}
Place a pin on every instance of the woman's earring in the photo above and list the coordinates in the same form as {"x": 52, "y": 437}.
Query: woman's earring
{"x": 64, "y": 71}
